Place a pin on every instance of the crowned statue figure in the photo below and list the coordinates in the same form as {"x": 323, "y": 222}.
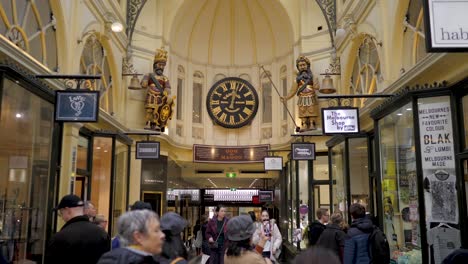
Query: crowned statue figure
{"x": 305, "y": 88}
{"x": 158, "y": 104}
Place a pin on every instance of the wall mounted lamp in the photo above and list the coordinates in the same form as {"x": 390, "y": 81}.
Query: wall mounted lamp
{"x": 112, "y": 23}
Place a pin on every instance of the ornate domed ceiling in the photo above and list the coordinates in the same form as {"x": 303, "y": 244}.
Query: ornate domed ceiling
{"x": 231, "y": 32}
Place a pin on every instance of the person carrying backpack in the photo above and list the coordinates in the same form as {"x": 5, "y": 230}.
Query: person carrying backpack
{"x": 366, "y": 243}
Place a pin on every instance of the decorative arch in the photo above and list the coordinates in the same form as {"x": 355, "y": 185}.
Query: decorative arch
{"x": 31, "y": 27}
{"x": 96, "y": 60}
{"x": 366, "y": 72}
{"x": 413, "y": 32}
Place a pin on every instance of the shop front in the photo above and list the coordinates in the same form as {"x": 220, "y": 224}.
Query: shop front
{"x": 102, "y": 173}
{"x": 29, "y": 141}
{"x": 421, "y": 148}
{"x": 351, "y": 174}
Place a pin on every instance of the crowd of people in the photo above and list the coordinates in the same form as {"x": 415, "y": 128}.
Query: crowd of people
{"x": 144, "y": 238}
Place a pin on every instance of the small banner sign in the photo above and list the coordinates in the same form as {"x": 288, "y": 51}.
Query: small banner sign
{"x": 147, "y": 150}
{"x": 303, "y": 151}
{"x": 228, "y": 154}
{"x": 208, "y": 197}
{"x": 265, "y": 196}
{"x": 446, "y": 25}
{"x": 340, "y": 120}
{"x": 273, "y": 163}
{"x": 76, "y": 106}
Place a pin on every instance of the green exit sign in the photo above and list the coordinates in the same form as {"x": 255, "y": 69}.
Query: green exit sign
{"x": 231, "y": 174}
{"x": 233, "y": 189}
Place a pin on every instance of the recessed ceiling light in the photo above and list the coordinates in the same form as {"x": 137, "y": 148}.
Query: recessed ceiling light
{"x": 98, "y": 147}
{"x": 409, "y": 109}
{"x": 399, "y": 114}
{"x": 19, "y": 115}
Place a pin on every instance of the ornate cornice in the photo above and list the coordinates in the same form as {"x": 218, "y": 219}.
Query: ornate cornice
{"x": 402, "y": 95}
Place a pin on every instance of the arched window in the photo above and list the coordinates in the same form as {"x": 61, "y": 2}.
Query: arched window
{"x": 284, "y": 88}
{"x": 94, "y": 62}
{"x": 31, "y": 26}
{"x": 197, "y": 98}
{"x": 266, "y": 98}
{"x": 366, "y": 71}
{"x": 180, "y": 89}
{"x": 414, "y": 39}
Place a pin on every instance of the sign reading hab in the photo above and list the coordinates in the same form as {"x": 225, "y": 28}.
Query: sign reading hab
{"x": 340, "y": 120}
{"x": 447, "y": 24}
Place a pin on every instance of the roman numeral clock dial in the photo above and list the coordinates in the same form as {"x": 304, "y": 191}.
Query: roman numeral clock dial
{"x": 232, "y": 102}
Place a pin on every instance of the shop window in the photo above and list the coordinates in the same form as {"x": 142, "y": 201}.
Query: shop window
{"x": 303, "y": 178}
{"x": 101, "y": 175}
{"x": 321, "y": 168}
{"x": 401, "y": 221}
{"x": 197, "y": 98}
{"x": 31, "y": 26}
{"x": 266, "y": 95}
{"x": 82, "y": 158}
{"x": 26, "y": 124}
{"x": 180, "y": 89}
{"x": 359, "y": 171}
{"x": 414, "y": 48}
{"x": 339, "y": 180}
{"x": 120, "y": 183}
{"x": 465, "y": 119}
{"x": 93, "y": 61}
{"x": 366, "y": 71}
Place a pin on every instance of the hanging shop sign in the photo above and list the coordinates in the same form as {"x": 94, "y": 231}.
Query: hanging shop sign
{"x": 265, "y": 196}
{"x": 446, "y": 25}
{"x": 273, "y": 163}
{"x": 76, "y": 106}
{"x": 228, "y": 154}
{"x": 147, "y": 150}
{"x": 303, "y": 151}
{"x": 340, "y": 120}
{"x": 438, "y": 159}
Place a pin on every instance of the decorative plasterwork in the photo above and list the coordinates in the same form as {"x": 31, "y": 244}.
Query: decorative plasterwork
{"x": 134, "y": 8}
{"x": 328, "y": 8}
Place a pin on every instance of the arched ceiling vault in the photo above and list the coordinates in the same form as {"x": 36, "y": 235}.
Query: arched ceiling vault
{"x": 231, "y": 32}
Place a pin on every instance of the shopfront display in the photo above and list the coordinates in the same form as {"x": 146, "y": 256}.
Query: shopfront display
{"x": 401, "y": 221}
{"x": 418, "y": 167}
{"x": 26, "y": 129}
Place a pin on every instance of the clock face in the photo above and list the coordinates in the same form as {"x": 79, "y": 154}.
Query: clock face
{"x": 232, "y": 102}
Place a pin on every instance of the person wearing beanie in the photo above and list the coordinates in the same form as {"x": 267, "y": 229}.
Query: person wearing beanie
{"x": 173, "y": 251}
{"x": 239, "y": 231}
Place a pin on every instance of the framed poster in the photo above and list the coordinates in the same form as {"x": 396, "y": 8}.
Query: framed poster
{"x": 147, "y": 150}
{"x": 76, "y": 106}
{"x": 446, "y": 25}
{"x": 343, "y": 120}
{"x": 303, "y": 151}
{"x": 273, "y": 163}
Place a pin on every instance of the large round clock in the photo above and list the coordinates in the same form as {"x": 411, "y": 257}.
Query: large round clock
{"x": 232, "y": 102}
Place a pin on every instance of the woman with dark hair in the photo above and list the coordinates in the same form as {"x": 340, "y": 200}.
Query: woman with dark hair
{"x": 173, "y": 250}
{"x": 240, "y": 230}
{"x": 215, "y": 234}
{"x": 272, "y": 248}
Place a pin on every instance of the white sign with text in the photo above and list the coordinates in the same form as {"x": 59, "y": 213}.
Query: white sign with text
{"x": 448, "y": 23}
{"x": 340, "y": 121}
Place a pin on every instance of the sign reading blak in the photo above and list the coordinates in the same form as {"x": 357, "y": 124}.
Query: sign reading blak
{"x": 303, "y": 151}
{"x": 340, "y": 120}
{"x": 273, "y": 163}
{"x": 446, "y": 25}
{"x": 147, "y": 150}
{"x": 76, "y": 106}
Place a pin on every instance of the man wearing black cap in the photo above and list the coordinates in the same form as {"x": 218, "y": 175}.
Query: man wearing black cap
{"x": 79, "y": 240}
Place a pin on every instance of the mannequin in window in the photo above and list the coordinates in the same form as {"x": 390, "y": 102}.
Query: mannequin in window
{"x": 305, "y": 88}
{"x": 158, "y": 104}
